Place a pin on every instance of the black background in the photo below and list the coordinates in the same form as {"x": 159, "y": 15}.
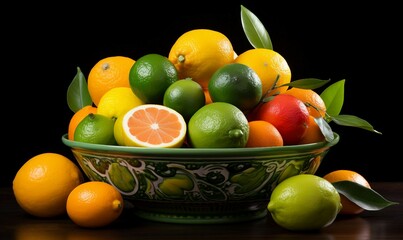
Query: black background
{"x": 44, "y": 45}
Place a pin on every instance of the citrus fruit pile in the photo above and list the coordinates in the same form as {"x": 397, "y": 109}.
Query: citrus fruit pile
{"x": 200, "y": 94}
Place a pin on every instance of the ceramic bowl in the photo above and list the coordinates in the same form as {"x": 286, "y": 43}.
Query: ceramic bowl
{"x": 192, "y": 185}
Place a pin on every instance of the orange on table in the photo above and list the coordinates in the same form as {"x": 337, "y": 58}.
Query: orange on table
{"x": 313, "y": 133}
{"x": 198, "y": 53}
{"x": 42, "y": 185}
{"x": 94, "y": 204}
{"x": 316, "y": 105}
{"x": 152, "y": 125}
{"x": 108, "y": 73}
{"x": 76, "y": 119}
{"x": 349, "y": 207}
{"x": 269, "y": 65}
{"x": 263, "y": 134}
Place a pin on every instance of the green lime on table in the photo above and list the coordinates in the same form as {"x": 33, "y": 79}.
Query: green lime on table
{"x": 185, "y": 96}
{"x": 304, "y": 202}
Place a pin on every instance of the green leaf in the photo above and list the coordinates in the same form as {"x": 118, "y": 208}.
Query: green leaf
{"x": 353, "y": 121}
{"x": 325, "y": 129}
{"x": 364, "y": 197}
{"x": 255, "y": 31}
{"x": 333, "y": 96}
{"x": 77, "y": 92}
{"x": 307, "y": 83}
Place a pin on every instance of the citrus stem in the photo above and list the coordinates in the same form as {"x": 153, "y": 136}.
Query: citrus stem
{"x": 116, "y": 205}
{"x": 181, "y": 58}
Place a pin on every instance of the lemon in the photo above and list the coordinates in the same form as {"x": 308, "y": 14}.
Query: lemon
{"x": 218, "y": 125}
{"x": 42, "y": 185}
{"x": 117, "y": 101}
{"x": 304, "y": 202}
{"x": 237, "y": 84}
{"x": 185, "y": 96}
{"x": 96, "y": 128}
{"x": 150, "y": 76}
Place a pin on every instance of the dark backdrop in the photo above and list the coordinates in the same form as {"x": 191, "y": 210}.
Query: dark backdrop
{"x": 44, "y": 45}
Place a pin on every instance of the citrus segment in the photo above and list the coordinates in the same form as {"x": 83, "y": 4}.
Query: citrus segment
{"x": 153, "y": 125}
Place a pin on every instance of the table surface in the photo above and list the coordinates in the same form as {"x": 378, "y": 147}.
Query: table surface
{"x": 383, "y": 224}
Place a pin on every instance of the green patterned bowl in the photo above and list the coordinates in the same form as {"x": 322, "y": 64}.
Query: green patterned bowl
{"x": 193, "y": 185}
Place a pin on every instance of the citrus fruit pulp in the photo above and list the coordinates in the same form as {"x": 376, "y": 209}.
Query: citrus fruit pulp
{"x": 152, "y": 125}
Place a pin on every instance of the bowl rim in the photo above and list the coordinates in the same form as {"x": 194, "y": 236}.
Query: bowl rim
{"x": 203, "y": 152}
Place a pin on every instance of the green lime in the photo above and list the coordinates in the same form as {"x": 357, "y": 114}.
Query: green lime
{"x": 96, "y": 128}
{"x": 218, "y": 125}
{"x": 237, "y": 84}
{"x": 185, "y": 96}
{"x": 304, "y": 202}
{"x": 150, "y": 76}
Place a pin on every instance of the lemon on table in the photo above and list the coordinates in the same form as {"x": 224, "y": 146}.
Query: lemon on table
{"x": 237, "y": 84}
{"x": 118, "y": 101}
{"x": 218, "y": 125}
{"x": 96, "y": 128}
{"x": 94, "y": 204}
{"x": 185, "y": 96}
{"x": 41, "y": 186}
{"x": 304, "y": 202}
{"x": 151, "y": 125}
{"x": 150, "y": 76}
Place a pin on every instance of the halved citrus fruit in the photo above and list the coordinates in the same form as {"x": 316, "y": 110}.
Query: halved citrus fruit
{"x": 153, "y": 125}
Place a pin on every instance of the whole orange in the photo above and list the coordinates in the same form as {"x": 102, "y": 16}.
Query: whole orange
{"x": 271, "y": 67}
{"x": 349, "y": 207}
{"x": 94, "y": 204}
{"x": 288, "y": 114}
{"x": 42, "y": 185}
{"x": 76, "y": 119}
{"x": 316, "y": 105}
{"x": 263, "y": 134}
{"x": 313, "y": 133}
{"x": 198, "y": 53}
{"x": 108, "y": 73}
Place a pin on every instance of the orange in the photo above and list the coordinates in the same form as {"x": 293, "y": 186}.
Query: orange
{"x": 42, "y": 185}
{"x": 313, "y": 133}
{"x": 268, "y": 65}
{"x": 76, "y": 119}
{"x": 94, "y": 204}
{"x": 108, "y": 73}
{"x": 207, "y": 96}
{"x": 151, "y": 125}
{"x": 316, "y": 105}
{"x": 349, "y": 207}
{"x": 288, "y": 114}
{"x": 198, "y": 53}
{"x": 263, "y": 134}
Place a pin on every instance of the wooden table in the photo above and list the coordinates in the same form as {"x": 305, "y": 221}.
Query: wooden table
{"x": 384, "y": 224}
